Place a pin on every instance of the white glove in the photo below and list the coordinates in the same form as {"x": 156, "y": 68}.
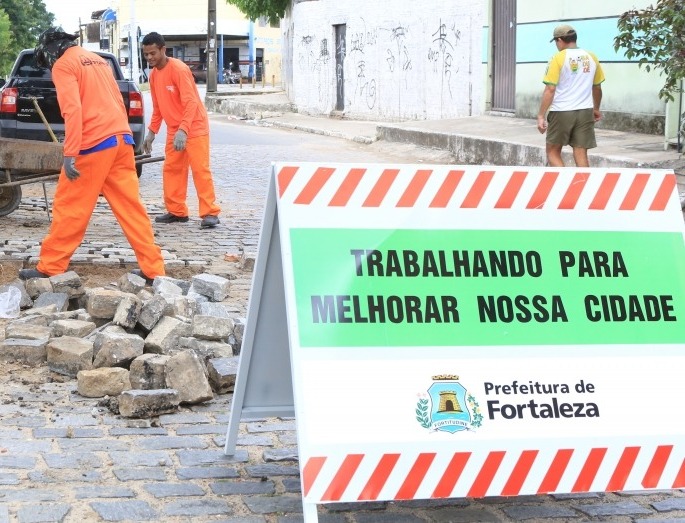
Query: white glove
{"x": 147, "y": 143}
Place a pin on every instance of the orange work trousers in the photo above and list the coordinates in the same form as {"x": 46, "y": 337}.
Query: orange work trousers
{"x": 112, "y": 173}
{"x": 175, "y": 176}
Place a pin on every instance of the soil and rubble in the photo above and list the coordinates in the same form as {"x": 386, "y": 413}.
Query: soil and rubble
{"x": 140, "y": 350}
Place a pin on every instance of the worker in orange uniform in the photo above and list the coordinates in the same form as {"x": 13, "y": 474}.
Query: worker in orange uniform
{"x": 98, "y": 158}
{"x": 176, "y": 101}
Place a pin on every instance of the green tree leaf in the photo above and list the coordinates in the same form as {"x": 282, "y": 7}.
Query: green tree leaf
{"x": 27, "y": 19}
{"x": 272, "y": 9}
{"x": 656, "y": 35}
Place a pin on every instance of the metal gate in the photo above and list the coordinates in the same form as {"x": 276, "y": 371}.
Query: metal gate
{"x": 504, "y": 55}
{"x": 340, "y": 38}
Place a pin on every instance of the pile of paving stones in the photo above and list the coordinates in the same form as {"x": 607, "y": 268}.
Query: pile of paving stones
{"x": 145, "y": 349}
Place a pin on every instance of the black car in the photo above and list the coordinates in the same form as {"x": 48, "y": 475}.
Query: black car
{"x": 20, "y": 119}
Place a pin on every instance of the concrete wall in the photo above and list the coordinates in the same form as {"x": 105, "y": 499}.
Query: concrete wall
{"x": 404, "y": 59}
{"x": 630, "y": 100}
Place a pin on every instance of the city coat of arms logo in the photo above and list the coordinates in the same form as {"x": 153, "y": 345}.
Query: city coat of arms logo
{"x": 447, "y": 406}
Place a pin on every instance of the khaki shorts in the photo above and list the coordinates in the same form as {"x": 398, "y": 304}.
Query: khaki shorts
{"x": 574, "y": 128}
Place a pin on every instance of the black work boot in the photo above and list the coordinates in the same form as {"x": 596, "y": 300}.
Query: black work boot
{"x": 171, "y": 218}
{"x": 27, "y": 274}
{"x": 138, "y": 272}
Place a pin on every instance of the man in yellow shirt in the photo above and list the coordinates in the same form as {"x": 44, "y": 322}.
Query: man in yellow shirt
{"x": 176, "y": 101}
{"x": 573, "y": 93}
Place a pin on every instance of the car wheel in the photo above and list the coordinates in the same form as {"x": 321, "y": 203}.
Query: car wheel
{"x": 10, "y": 198}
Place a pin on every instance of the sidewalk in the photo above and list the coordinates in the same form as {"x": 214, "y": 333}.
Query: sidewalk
{"x": 487, "y": 140}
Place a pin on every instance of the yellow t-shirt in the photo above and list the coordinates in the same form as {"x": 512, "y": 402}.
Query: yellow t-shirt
{"x": 574, "y": 72}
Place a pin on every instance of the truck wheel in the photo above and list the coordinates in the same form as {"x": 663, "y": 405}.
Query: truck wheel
{"x": 10, "y": 198}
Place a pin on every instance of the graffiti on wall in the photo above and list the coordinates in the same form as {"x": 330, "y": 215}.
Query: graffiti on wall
{"x": 361, "y": 41}
{"x": 313, "y": 56}
{"x": 398, "y": 68}
{"x": 441, "y": 54}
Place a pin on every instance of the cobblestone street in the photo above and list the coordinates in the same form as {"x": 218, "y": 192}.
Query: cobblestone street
{"x": 64, "y": 458}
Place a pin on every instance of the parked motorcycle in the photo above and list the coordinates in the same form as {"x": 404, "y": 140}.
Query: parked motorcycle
{"x": 232, "y": 74}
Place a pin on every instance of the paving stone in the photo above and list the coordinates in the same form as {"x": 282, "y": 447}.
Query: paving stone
{"x": 180, "y": 418}
{"x": 200, "y": 507}
{"x": 132, "y": 431}
{"x": 124, "y": 510}
{"x": 623, "y": 508}
{"x": 150, "y": 458}
{"x": 350, "y": 507}
{"x": 521, "y": 512}
{"x": 103, "y": 492}
{"x": 207, "y": 473}
{"x": 648, "y": 520}
{"x": 200, "y": 430}
{"x": 95, "y": 445}
{"x": 30, "y": 495}
{"x": 172, "y": 442}
{"x": 25, "y": 447}
{"x": 74, "y": 420}
{"x": 239, "y": 519}
{"x": 66, "y": 476}
{"x": 271, "y": 427}
{"x": 67, "y": 432}
{"x": 55, "y": 512}
{"x": 193, "y": 458}
{"x": 231, "y": 488}
{"x": 6, "y": 434}
{"x": 8, "y": 478}
{"x": 26, "y": 421}
{"x": 384, "y": 517}
{"x": 257, "y": 471}
{"x": 323, "y": 518}
{"x": 17, "y": 462}
{"x": 287, "y": 438}
{"x": 167, "y": 490}
{"x": 281, "y": 454}
{"x": 668, "y": 505}
{"x": 273, "y": 504}
{"x": 292, "y": 484}
{"x": 78, "y": 460}
{"x": 144, "y": 474}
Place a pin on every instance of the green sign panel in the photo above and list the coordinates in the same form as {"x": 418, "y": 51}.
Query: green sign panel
{"x": 374, "y": 287}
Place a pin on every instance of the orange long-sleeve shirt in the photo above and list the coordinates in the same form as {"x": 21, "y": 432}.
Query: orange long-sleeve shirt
{"x": 89, "y": 99}
{"x": 176, "y": 101}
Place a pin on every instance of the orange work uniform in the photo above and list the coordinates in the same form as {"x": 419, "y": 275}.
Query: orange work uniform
{"x": 96, "y": 132}
{"x": 176, "y": 101}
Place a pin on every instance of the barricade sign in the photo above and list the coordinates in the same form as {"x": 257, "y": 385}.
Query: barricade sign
{"x": 469, "y": 331}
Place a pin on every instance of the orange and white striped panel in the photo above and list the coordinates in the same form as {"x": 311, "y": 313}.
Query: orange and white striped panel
{"x": 469, "y": 187}
{"x": 371, "y": 476}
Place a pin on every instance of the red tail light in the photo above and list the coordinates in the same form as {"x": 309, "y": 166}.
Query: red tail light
{"x": 8, "y": 100}
{"x": 135, "y": 101}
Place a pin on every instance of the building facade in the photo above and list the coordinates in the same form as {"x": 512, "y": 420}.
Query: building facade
{"x": 252, "y": 47}
{"x": 517, "y": 50}
{"x": 384, "y": 60}
{"x": 403, "y": 60}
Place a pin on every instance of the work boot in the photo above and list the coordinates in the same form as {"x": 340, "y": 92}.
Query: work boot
{"x": 209, "y": 221}
{"x": 27, "y": 274}
{"x": 138, "y": 272}
{"x": 170, "y": 218}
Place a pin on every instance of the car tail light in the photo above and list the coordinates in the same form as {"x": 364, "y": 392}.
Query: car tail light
{"x": 8, "y": 100}
{"x": 135, "y": 101}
